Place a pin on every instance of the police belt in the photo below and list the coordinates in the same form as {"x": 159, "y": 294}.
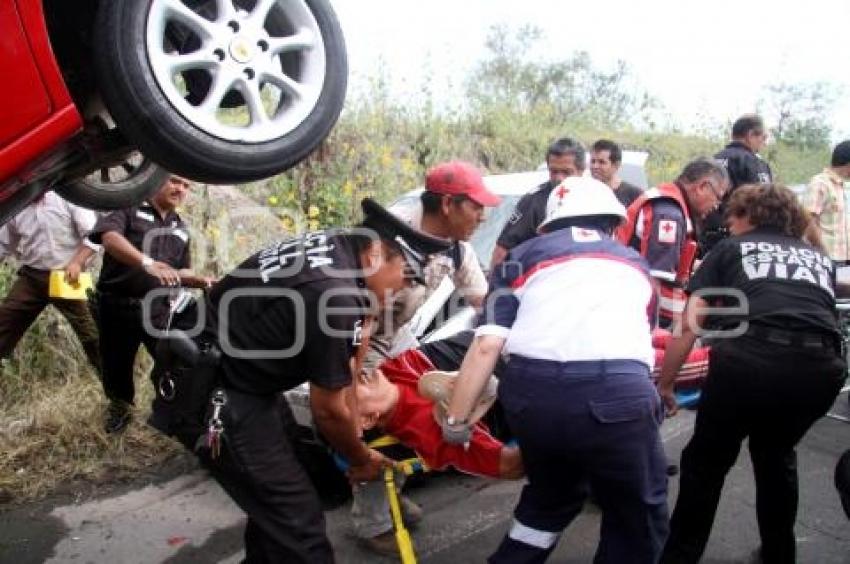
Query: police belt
{"x": 827, "y": 341}
{"x": 185, "y": 374}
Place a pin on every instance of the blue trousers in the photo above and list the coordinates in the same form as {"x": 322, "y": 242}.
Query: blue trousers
{"x": 580, "y": 424}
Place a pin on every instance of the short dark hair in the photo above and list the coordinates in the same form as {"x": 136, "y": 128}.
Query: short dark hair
{"x": 614, "y": 152}
{"x": 769, "y": 205}
{"x": 431, "y": 201}
{"x": 746, "y": 123}
{"x": 568, "y": 146}
{"x": 701, "y": 167}
{"x": 841, "y": 154}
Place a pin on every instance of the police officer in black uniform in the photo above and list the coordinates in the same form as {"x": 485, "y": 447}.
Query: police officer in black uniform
{"x": 744, "y": 165}
{"x": 775, "y": 367}
{"x": 294, "y": 313}
{"x": 565, "y": 157}
{"x": 147, "y": 247}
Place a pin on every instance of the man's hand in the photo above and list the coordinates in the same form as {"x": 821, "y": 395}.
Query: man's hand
{"x": 72, "y": 273}
{"x": 371, "y": 469}
{"x": 167, "y": 276}
{"x": 669, "y": 399}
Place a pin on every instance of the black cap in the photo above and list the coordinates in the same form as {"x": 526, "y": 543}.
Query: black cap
{"x": 415, "y": 245}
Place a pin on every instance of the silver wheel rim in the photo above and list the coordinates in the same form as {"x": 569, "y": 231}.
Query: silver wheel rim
{"x": 244, "y": 70}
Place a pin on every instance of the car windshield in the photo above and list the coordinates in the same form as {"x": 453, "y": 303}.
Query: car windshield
{"x": 485, "y": 236}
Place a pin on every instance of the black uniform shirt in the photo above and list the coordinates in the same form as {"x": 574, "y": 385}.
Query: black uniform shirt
{"x": 627, "y": 193}
{"x": 290, "y": 314}
{"x": 744, "y": 166}
{"x": 529, "y": 213}
{"x": 788, "y": 284}
{"x": 165, "y": 239}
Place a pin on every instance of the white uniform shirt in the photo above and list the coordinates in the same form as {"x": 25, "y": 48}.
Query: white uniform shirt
{"x": 46, "y": 234}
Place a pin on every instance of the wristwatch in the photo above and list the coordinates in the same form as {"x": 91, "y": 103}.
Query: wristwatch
{"x": 452, "y": 421}
{"x": 147, "y": 261}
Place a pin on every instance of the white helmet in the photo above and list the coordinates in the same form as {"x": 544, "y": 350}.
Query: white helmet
{"x": 580, "y": 196}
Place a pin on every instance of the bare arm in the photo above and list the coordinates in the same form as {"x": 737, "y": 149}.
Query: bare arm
{"x": 677, "y": 351}
{"x": 123, "y": 251}
{"x": 499, "y": 254}
{"x": 475, "y": 371}
{"x": 812, "y": 235}
{"x": 78, "y": 263}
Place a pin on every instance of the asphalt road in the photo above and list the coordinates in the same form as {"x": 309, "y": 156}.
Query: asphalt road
{"x": 189, "y": 519}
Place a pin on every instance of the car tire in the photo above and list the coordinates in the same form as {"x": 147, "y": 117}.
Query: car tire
{"x": 176, "y": 119}
{"x": 98, "y": 190}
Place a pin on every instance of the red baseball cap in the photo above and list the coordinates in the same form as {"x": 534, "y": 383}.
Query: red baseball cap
{"x": 460, "y": 178}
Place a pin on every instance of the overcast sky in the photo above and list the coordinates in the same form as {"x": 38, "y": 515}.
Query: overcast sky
{"x": 706, "y": 61}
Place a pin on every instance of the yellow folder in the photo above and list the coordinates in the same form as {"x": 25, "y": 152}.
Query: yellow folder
{"x": 59, "y": 288}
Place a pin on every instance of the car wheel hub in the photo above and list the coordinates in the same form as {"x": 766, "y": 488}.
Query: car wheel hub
{"x": 249, "y": 76}
{"x": 241, "y": 50}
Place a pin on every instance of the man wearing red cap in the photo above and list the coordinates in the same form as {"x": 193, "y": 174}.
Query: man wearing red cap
{"x": 451, "y": 207}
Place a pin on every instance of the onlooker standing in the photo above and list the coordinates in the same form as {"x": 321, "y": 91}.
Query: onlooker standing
{"x": 147, "y": 246}
{"x": 45, "y": 236}
{"x": 605, "y": 160}
{"x": 769, "y": 383}
{"x": 660, "y": 226}
{"x": 744, "y": 166}
{"x": 826, "y": 199}
{"x": 565, "y": 157}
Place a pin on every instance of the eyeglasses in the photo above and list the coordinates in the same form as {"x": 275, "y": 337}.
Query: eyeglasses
{"x": 718, "y": 194}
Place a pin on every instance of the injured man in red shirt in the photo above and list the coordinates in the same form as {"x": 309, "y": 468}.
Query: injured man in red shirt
{"x": 397, "y": 400}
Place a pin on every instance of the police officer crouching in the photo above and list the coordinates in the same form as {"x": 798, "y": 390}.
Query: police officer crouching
{"x": 775, "y": 367}
{"x": 570, "y": 308}
{"x": 292, "y": 313}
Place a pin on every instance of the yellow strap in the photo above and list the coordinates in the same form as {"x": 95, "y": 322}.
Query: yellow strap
{"x": 402, "y": 536}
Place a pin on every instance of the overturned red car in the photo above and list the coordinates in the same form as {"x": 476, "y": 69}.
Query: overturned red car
{"x": 101, "y": 98}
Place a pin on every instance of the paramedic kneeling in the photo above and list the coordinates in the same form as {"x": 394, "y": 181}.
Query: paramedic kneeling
{"x": 570, "y": 308}
{"x": 775, "y": 367}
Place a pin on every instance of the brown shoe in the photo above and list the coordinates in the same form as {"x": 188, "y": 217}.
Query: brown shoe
{"x": 383, "y": 544}
{"x": 411, "y": 512}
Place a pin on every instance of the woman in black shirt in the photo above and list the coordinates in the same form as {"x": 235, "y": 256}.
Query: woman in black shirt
{"x": 775, "y": 367}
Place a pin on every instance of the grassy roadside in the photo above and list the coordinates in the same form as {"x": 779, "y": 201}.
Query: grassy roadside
{"x": 51, "y": 400}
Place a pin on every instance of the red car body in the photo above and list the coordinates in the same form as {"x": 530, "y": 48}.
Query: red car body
{"x": 39, "y": 117}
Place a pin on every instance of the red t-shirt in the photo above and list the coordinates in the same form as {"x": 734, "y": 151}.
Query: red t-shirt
{"x": 414, "y": 425}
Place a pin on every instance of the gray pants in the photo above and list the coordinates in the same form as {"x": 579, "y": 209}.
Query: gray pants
{"x": 370, "y": 509}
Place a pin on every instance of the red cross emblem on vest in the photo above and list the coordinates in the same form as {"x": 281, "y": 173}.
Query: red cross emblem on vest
{"x": 562, "y": 192}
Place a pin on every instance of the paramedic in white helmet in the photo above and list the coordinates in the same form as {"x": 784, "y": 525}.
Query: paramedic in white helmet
{"x": 570, "y": 309}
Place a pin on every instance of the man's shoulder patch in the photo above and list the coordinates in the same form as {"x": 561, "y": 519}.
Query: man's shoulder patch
{"x": 667, "y": 231}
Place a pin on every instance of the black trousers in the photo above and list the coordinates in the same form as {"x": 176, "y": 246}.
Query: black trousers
{"x": 772, "y": 394}
{"x": 119, "y": 322}
{"x": 257, "y": 467}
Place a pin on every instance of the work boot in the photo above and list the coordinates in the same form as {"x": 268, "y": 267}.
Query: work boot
{"x": 384, "y": 544}
{"x": 411, "y": 512}
{"x": 118, "y": 416}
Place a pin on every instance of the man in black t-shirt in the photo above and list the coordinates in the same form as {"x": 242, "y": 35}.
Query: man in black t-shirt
{"x": 744, "y": 166}
{"x": 146, "y": 249}
{"x": 295, "y": 312}
{"x": 565, "y": 157}
{"x": 605, "y": 160}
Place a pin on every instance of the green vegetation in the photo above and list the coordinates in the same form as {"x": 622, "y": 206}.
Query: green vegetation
{"x": 50, "y": 400}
